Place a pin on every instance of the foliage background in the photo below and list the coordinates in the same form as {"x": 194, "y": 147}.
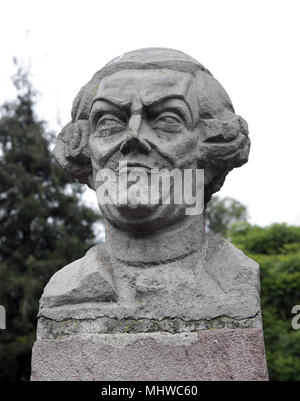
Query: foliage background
{"x": 276, "y": 249}
{"x": 43, "y": 225}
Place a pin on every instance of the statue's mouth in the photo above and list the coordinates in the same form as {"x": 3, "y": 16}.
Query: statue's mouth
{"x": 131, "y": 165}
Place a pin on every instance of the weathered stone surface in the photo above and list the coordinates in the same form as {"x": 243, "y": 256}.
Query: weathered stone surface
{"x": 207, "y": 355}
{"x": 139, "y": 305}
{"x": 222, "y": 291}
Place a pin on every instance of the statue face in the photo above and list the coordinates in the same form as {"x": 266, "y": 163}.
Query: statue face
{"x": 147, "y": 119}
{"x": 152, "y": 119}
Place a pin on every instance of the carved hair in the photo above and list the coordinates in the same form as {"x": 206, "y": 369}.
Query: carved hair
{"x": 224, "y": 143}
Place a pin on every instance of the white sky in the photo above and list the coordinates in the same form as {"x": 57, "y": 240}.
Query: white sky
{"x": 251, "y": 46}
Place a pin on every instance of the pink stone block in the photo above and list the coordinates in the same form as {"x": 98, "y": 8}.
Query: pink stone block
{"x": 224, "y": 354}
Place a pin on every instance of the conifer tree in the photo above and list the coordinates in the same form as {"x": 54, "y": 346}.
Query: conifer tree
{"x": 43, "y": 224}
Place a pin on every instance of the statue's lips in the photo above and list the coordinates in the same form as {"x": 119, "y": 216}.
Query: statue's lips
{"x": 132, "y": 165}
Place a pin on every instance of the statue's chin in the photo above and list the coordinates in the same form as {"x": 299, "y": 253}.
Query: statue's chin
{"x": 134, "y": 212}
{"x": 131, "y": 210}
{"x": 142, "y": 218}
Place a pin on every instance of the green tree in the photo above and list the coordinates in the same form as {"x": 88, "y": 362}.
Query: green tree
{"x": 277, "y": 250}
{"x": 220, "y": 214}
{"x": 43, "y": 224}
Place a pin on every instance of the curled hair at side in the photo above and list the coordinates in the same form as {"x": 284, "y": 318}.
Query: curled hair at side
{"x": 223, "y": 136}
{"x": 72, "y": 151}
{"x": 223, "y": 145}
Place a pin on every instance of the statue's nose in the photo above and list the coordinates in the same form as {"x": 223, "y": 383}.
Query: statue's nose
{"x": 135, "y": 143}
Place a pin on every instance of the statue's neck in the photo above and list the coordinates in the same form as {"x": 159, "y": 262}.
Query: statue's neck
{"x": 175, "y": 242}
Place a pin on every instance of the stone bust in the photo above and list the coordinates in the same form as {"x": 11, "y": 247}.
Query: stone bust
{"x": 153, "y": 108}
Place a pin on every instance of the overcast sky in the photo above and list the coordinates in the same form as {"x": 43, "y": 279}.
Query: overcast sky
{"x": 251, "y": 47}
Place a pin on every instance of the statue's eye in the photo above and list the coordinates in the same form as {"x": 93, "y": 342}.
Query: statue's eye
{"x": 109, "y": 124}
{"x": 168, "y": 122}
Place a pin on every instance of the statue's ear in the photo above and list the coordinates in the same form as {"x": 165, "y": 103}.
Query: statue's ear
{"x": 72, "y": 151}
{"x": 224, "y": 143}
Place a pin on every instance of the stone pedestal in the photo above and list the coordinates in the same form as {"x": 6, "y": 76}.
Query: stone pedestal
{"x": 181, "y": 324}
{"x": 220, "y": 354}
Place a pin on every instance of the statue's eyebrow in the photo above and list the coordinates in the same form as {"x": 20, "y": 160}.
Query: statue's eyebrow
{"x": 123, "y": 106}
{"x": 105, "y": 106}
{"x": 119, "y": 104}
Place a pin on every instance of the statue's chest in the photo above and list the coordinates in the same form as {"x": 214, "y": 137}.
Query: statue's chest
{"x": 170, "y": 289}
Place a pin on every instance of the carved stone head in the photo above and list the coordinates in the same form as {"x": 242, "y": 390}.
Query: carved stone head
{"x": 154, "y": 108}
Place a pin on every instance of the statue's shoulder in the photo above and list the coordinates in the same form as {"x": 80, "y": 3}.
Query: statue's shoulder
{"x": 88, "y": 279}
{"x": 230, "y": 265}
